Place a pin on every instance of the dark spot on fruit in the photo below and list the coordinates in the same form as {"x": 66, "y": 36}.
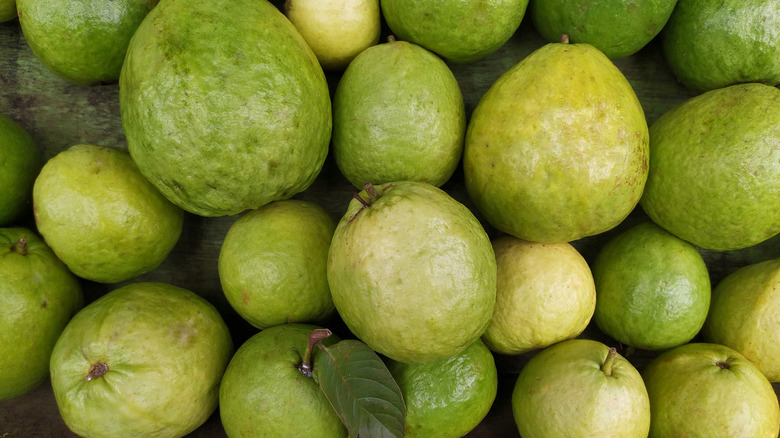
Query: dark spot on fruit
{"x": 245, "y": 297}
{"x": 97, "y": 370}
{"x": 44, "y": 303}
{"x": 723, "y": 365}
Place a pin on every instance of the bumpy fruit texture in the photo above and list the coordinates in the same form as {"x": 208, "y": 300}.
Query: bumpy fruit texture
{"x": 715, "y": 168}
{"x": 711, "y": 44}
{"x": 82, "y": 42}
{"x": 412, "y": 274}
{"x": 459, "y": 30}
{"x": 652, "y": 288}
{"x": 707, "y": 390}
{"x": 224, "y": 105}
{"x": 572, "y": 389}
{"x": 557, "y": 149}
{"x": 143, "y": 360}
{"x": 544, "y": 294}
{"x": 273, "y": 264}
{"x": 101, "y": 216}
{"x": 20, "y": 162}
{"x": 38, "y": 296}
{"x": 264, "y": 395}
{"x": 398, "y": 115}
{"x": 448, "y": 397}
{"x": 745, "y": 314}
{"x": 616, "y": 27}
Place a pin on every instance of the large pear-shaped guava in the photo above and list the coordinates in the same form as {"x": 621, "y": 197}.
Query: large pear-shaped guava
{"x": 224, "y": 105}
{"x": 557, "y": 149}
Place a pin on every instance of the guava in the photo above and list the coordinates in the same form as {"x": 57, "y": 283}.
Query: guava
{"x": 616, "y": 27}
{"x": 544, "y": 294}
{"x": 7, "y": 10}
{"x": 715, "y": 168}
{"x": 273, "y": 264}
{"x": 745, "y": 314}
{"x": 145, "y": 360}
{"x": 707, "y": 390}
{"x": 224, "y": 105}
{"x": 412, "y": 272}
{"x": 84, "y": 42}
{"x": 580, "y": 388}
{"x": 336, "y": 30}
{"x": 398, "y": 115}
{"x": 458, "y": 30}
{"x": 447, "y": 397}
{"x": 652, "y": 288}
{"x": 557, "y": 149}
{"x": 264, "y": 394}
{"x": 711, "y": 44}
{"x": 38, "y": 296}
{"x": 101, "y": 216}
{"x": 20, "y": 162}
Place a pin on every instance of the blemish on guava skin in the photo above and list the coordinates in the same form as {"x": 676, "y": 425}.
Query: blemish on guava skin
{"x": 724, "y": 365}
{"x": 44, "y": 303}
{"x": 97, "y": 370}
{"x": 245, "y": 297}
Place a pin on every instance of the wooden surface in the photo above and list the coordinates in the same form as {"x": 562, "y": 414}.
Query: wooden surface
{"x": 58, "y": 115}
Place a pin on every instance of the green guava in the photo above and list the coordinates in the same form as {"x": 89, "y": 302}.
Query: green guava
{"x": 101, "y": 216}
{"x": 84, "y": 42}
{"x": 458, "y": 30}
{"x": 708, "y": 390}
{"x": 398, "y": 115}
{"x": 264, "y": 395}
{"x": 143, "y": 360}
{"x": 711, "y": 44}
{"x": 715, "y": 168}
{"x": 7, "y": 10}
{"x": 544, "y": 294}
{"x": 580, "y": 388}
{"x": 745, "y": 313}
{"x": 273, "y": 264}
{"x": 652, "y": 288}
{"x": 557, "y": 149}
{"x": 412, "y": 272}
{"x": 224, "y": 105}
{"x": 336, "y": 30}
{"x": 20, "y": 162}
{"x": 38, "y": 296}
{"x": 616, "y": 27}
{"x": 447, "y": 397}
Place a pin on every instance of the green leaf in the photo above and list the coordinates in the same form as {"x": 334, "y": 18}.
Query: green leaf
{"x": 361, "y": 390}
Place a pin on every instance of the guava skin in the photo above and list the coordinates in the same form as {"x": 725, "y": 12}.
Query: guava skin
{"x": 413, "y": 275}
{"x": 564, "y": 391}
{"x": 744, "y": 315}
{"x": 710, "y": 44}
{"x": 616, "y": 27}
{"x": 20, "y": 162}
{"x": 224, "y": 105}
{"x": 458, "y": 30}
{"x": 143, "y": 360}
{"x": 7, "y": 10}
{"x": 557, "y": 149}
{"x": 273, "y": 264}
{"x": 101, "y": 216}
{"x": 264, "y": 395}
{"x": 715, "y": 168}
{"x": 84, "y": 42}
{"x": 38, "y": 296}
{"x": 707, "y": 390}
{"x": 398, "y": 115}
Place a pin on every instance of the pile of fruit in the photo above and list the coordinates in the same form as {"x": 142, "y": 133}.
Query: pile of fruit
{"x": 363, "y": 218}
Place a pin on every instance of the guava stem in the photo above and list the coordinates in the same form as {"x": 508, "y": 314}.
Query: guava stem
{"x": 371, "y": 190}
{"x": 361, "y": 200}
{"x": 97, "y": 370}
{"x": 20, "y": 247}
{"x": 391, "y": 38}
{"x": 606, "y": 367}
{"x": 564, "y": 39}
{"x": 316, "y": 335}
